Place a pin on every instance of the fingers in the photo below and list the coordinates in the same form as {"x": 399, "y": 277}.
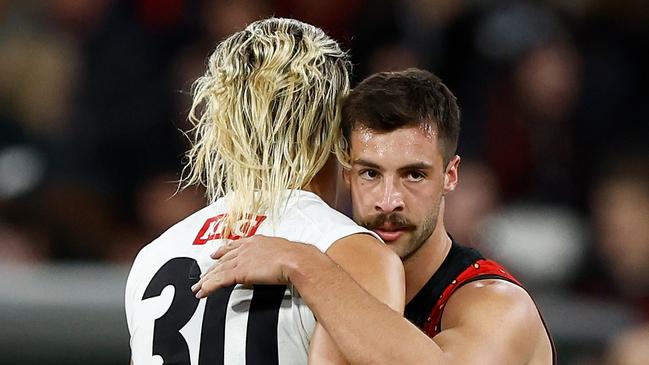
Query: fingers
{"x": 220, "y": 273}
{"x": 228, "y": 256}
{"x": 219, "y": 276}
{"x": 232, "y": 245}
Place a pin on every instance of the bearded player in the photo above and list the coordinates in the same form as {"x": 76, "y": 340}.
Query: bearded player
{"x": 402, "y": 130}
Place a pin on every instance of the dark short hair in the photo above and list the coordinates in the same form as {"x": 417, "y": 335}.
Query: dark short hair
{"x": 387, "y": 101}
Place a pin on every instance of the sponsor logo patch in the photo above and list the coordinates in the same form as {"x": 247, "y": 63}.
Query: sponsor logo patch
{"x": 213, "y": 228}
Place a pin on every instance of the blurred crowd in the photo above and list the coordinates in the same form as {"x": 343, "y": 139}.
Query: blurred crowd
{"x": 555, "y": 173}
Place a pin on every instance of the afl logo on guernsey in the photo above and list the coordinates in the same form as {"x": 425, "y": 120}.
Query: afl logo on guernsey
{"x": 213, "y": 228}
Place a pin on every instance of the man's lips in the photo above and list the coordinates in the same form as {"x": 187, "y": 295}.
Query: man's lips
{"x": 389, "y": 235}
{"x": 390, "y": 230}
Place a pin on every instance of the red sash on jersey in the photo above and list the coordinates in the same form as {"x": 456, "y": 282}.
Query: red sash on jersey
{"x": 482, "y": 267}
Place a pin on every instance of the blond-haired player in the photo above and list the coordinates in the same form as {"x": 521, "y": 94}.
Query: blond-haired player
{"x": 267, "y": 123}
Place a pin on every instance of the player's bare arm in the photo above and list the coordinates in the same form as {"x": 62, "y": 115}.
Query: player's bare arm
{"x": 493, "y": 322}
{"x": 377, "y": 270}
{"x": 486, "y": 322}
{"x": 354, "y": 319}
{"x": 270, "y": 260}
{"x": 371, "y": 267}
{"x": 360, "y": 260}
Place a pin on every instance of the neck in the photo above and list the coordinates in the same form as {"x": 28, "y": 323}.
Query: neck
{"x": 424, "y": 262}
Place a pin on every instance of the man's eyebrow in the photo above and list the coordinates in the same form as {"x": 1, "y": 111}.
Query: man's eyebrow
{"x": 412, "y": 166}
{"x": 416, "y": 166}
{"x": 360, "y": 161}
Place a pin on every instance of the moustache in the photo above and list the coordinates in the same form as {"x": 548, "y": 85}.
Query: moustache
{"x": 394, "y": 220}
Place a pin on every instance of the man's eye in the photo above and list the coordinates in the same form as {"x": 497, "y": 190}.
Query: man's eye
{"x": 369, "y": 174}
{"x": 415, "y": 176}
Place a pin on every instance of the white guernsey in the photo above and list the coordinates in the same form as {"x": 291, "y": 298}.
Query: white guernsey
{"x": 236, "y": 325}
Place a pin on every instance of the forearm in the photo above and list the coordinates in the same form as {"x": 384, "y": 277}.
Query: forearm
{"x": 366, "y": 330}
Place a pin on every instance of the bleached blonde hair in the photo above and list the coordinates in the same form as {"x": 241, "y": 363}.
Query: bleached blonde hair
{"x": 266, "y": 114}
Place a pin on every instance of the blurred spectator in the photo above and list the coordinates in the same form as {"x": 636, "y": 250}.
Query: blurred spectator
{"x": 530, "y": 113}
{"x": 476, "y": 198}
{"x": 620, "y": 261}
{"x": 222, "y": 18}
{"x": 335, "y": 17}
{"x": 80, "y": 217}
{"x": 392, "y": 57}
{"x": 630, "y": 348}
{"x": 23, "y": 245}
{"x": 424, "y": 23}
{"x": 38, "y": 73}
{"x": 159, "y": 204}
{"x": 79, "y": 18}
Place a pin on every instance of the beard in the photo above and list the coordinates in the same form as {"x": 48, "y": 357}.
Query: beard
{"x": 419, "y": 232}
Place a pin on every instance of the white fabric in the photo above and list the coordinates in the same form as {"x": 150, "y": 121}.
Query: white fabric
{"x": 306, "y": 219}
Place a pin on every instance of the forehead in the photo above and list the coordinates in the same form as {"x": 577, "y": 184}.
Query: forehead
{"x": 410, "y": 144}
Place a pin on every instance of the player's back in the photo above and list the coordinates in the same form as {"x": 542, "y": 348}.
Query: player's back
{"x": 236, "y": 325}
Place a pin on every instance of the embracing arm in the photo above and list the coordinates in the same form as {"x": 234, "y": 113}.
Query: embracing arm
{"x": 353, "y": 318}
{"x": 486, "y": 324}
{"x": 378, "y": 271}
{"x": 366, "y": 330}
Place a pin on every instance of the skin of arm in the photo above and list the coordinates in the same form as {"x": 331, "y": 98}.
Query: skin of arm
{"x": 490, "y": 322}
{"x": 377, "y": 270}
{"x": 371, "y": 266}
{"x": 485, "y": 322}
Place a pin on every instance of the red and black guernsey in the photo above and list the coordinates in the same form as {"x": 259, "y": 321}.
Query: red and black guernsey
{"x": 461, "y": 266}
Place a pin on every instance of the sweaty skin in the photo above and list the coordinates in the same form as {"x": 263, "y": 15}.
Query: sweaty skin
{"x": 399, "y": 173}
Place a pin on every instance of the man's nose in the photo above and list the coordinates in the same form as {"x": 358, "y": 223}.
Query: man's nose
{"x": 391, "y": 199}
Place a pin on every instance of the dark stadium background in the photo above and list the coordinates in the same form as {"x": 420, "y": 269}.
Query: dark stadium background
{"x": 554, "y": 180}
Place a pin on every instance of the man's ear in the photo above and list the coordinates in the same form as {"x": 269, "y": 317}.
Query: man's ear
{"x": 343, "y": 193}
{"x": 451, "y": 175}
{"x": 346, "y": 176}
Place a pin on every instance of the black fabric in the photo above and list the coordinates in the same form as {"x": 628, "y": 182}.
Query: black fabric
{"x": 457, "y": 260}
{"x": 261, "y": 337}
{"x": 212, "y": 347}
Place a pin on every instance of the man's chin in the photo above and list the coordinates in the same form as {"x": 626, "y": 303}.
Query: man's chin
{"x": 399, "y": 245}
{"x": 400, "y": 250}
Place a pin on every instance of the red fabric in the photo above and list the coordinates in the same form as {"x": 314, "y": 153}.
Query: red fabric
{"x": 479, "y": 268}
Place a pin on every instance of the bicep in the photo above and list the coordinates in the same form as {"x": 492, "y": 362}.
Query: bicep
{"x": 496, "y": 323}
{"x": 373, "y": 266}
{"x": 323, "y": 350}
